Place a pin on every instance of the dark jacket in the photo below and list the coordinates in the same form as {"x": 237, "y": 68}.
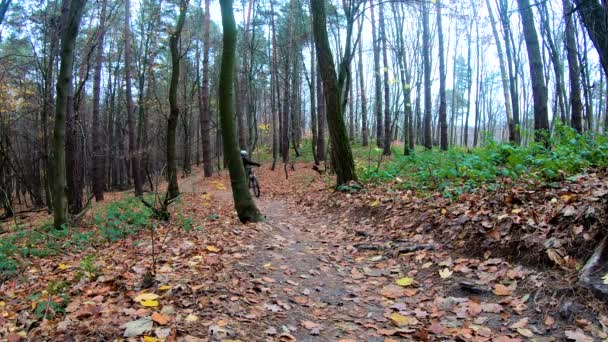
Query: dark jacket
{"x": 248, "y": 162}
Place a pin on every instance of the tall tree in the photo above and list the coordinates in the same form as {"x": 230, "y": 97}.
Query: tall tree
{"x": 173, "y": 187}
{"x": 539, "y": 88}
{"x": 594, "y": 14}
{"x": 71, "y": 18}
{"x": 512, "y": 66}
{"x": 98, "y": 154}
{"x": 377, "y": 81}
{"x": 243, "y": 203}
{"x": 133, "y": 153}
{"x": 344, "y": 164}
{"x": 426, "y": 52}
{"x": 205, "y": 111}
{"x": 364, "y": 133}
{"x": 443, "y": 115}
{"x": 503, "y": 73}
{"x": 573, "y": 69}
{"x": 3, "y": 8}
{"x": 387, "y": 115}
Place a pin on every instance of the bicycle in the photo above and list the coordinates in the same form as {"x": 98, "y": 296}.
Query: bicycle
{"x": 254, "y": 185}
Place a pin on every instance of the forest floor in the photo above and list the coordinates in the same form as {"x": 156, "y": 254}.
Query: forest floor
{"x": 380, "y": 265}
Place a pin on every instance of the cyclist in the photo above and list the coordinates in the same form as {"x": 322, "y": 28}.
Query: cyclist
{"x": 248, "y": 163}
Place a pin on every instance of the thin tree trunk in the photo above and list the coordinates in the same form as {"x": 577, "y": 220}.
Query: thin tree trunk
{"x": 443, "y": 120}
{"x": 387, "y": 115}
{"x": 243, "y": 203}
{"x": 173, "y": 187}
{"x": 98, "y": 157}
{"x": 205, "y": 113}
{"x": 426, "y": 53}
{"x": 133, "y": 153}
{"x": 72, "y": 14}
{"x": 364, "y": 134}
{"x": 341, "y": 153}
{"x": 539, "y": 88}
{"x": 573, "y": 69}
{"x": 377, "y": 81}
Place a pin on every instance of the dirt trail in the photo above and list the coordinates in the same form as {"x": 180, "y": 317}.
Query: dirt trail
{"x": 304, "y": 270}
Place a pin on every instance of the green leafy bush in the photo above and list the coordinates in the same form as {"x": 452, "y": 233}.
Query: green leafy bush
{"x": 457, "y": 170}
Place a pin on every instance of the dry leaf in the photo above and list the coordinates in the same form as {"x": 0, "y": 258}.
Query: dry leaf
{"x": 160, "y": 318}
{"x": 445, "y": 273}
{"x": 406, "y": 281}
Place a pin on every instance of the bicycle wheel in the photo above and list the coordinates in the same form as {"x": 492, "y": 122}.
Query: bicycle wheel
{"x": 255, "y": 186}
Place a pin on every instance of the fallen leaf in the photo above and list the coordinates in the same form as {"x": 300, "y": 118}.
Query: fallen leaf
{"x": 577, "y": 335}
{"x": 212, "y": 248}
{"x": 191, "y": 318}
{"x": 145, "y": 296}
{"x": 149, "y": 303}
{"x": 160, "y": 318}
{"x": 525, "y": 332}
{"x": 400, "y": 320}
{"x": 314, "y": 328}
{"x": 605, "y": 279}
{"x": 501, "y": 290}
{"x": 138, "y": 327}
{"x": 406, "y": 281}
{"x": 150, "y": 339}
{"x": 445, "y": 273}
{"x": 165, "y": 288}
{"x": 375, "y": 203}
{"x": 392, "y": 291}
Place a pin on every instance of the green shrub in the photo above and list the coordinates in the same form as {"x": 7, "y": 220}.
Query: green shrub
{"x": 457, "y": 170}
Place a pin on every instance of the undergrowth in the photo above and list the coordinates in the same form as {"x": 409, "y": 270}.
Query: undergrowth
{"x": 115, "y": 221}
{"x": 457, "y": 170}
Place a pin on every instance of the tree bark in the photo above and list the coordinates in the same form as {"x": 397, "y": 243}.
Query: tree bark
{"x": 539, "y": 88}
{"x": 594, "y": 14}
{"x": 98, "y": 154}
{"x": 364, "y": 132}
{"x": 341, "y": 153}
{"x": 573, "y": 69}
{"x": 503, "y": 74}
{"x": 387, "y": 115}
{"x": 71, "y": 17}
{"x": 173, "y": 187}
{"x": 243, "y": 203}
{"x": 426, "y": 53}
{"x": 205, "y": 114}
{"x": 443, "y": 115}
{"x": 3, "y": 8}
{"x": 377, "y": 82}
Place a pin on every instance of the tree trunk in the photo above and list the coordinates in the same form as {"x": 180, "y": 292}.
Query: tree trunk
{"x": 503, "y": 74}
{"x": 377, "y": 81}
{"x": 173, "y": 187}
{"x": 443, "y": 115}
{"x": 594, "y": 14}
{"x": 341, "y": 153}
{"x": 243, "y": 203}
{"x": 321, "y": 115}
{"x": 504, "y": 19}
{"x": 72, "y": 17}
{"x": 364, "y": 133}
{"x": 98, "y": 153}
{"x": 426, "y": 53}
{"x": 205, "y": 114}
{"x": 3, "y": 8}
{"x": 539, "y": 88}
{"x": 133, "y": 153}
{"x": 573, "y": 69}
{"x": 387, "y": 115}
